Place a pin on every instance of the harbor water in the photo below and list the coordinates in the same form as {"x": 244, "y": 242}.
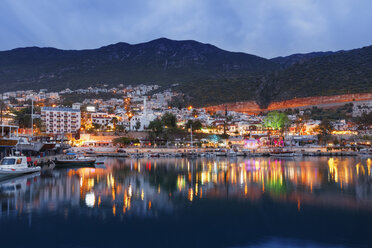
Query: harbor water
{"x": 203, "y": 202}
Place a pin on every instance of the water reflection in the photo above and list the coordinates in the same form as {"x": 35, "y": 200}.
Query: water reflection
{"x": 152, "y": 188}
{"x": 142, "y": 185}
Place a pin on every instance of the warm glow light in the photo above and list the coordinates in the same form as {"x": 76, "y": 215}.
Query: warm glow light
{"x": 130, "y": 190}
{"x": 191, "y": 194}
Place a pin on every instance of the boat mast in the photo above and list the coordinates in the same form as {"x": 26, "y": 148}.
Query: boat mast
{"x": 191, "y": 134}
{"x": 32, "y": 117}
{"x": 2, "y": 103}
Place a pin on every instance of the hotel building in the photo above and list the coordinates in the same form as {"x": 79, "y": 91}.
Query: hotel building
{"x": 60, "y": 120}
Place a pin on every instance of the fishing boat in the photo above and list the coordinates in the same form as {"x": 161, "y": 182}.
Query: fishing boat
{"x": 281, "y": 153}
{"x": 73, "y": 159}
{"x": 16, "y": 165}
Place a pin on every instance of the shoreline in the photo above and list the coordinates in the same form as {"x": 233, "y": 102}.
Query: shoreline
{"x": 205, "y": 152}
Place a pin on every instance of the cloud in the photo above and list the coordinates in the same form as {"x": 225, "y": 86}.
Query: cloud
{"x": 266, "y": 27}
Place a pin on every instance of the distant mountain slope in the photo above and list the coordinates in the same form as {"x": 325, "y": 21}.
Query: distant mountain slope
{"x": 206, "y": 74}
{"x": 298, "y": 58}
{"x": 161, "y": 61}
{"x": 338, "y": 73}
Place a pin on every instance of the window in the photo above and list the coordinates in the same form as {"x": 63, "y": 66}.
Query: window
{"x": 8, "y": 161}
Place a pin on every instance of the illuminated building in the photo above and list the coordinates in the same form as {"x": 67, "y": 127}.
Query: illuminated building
{"x": 60, "y": 120}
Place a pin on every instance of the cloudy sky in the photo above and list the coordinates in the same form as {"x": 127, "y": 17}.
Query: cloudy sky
{"x": 266, "y": 28}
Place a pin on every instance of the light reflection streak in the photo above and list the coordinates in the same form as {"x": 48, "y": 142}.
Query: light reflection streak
{"x": 119, "y": 187}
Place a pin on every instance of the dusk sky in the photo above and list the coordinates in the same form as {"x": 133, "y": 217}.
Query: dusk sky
{"x": 266, "y": 28}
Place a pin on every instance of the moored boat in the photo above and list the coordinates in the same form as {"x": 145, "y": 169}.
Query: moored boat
{"x": 281, "y": 153}
{"x": 366, "y": 153}
{"x": 12, "y": 166}
{"x": 73, "y": 159}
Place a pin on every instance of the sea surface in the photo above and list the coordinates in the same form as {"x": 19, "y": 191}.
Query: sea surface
{"x": 204, "y": 202}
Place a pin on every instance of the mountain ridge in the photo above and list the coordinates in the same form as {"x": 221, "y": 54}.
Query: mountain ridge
{"x": 206, "y": 74}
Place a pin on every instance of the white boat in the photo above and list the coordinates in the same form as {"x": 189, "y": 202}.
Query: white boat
{"x": 366, "y": 152}
{"x": 15, "y": 166}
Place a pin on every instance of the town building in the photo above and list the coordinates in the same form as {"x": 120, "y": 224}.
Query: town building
{"x": 60, "y": 120}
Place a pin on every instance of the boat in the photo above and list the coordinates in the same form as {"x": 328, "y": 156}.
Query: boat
{"x": 281, "y": 153}
{"x": 100, "y": 160}
{"x": 231, "y": 153}
{"x": 73, "y": 159}
{"x": 34, "y": 144}
{"x": 137, "y": 155}
{"x": 365, "y": 152}
{"x": 90, "y": 151}
{"x": 220, "y": 152}
{"x": 12, "y": 166}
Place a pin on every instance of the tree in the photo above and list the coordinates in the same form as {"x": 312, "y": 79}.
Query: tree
{"x": 120, "y": 128}
{"x": 111, "y": 110}
{"x": 196, "y": 125}
{"x": 276, "y": 121}
{"x": 23, "y": 117}
{"x": 325, "y": 127}
{"x": 156, "y": 126}
{"x": 138, "y": 125}
{"x": 13, "y": 100}
{"x": 124, "y": 141}
{"x": 169, "y": 120}
{"x": 364, "y": 121}
{"x": 114, "y": 121}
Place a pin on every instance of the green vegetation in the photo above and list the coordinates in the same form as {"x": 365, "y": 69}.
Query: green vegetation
{"x": 364, "y": 121}
{"x": 169, "y": 120}
{"x": 166, "y": 128}
{"x": 343, "y": 112}
{"x": 338, "y": 73}
{"x": 196, "y": 125}
{"x": 23, "y": 118}
{"x": 156, "y": 127}
{"x": 276, "y": 121}
{"x": 124, "y": 141}
{"x": 324, "y": 129}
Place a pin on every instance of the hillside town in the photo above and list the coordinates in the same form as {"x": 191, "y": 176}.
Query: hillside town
{"x": 144, "y": 116}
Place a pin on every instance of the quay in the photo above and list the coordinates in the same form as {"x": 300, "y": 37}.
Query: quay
{"x": 202, "y": 152}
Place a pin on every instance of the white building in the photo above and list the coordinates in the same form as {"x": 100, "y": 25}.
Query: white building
{"x": 61, "y": 120}
{"x": 144, "y": 118}
{"x": 76, "y": 105}
{"x": 102, "y": 118}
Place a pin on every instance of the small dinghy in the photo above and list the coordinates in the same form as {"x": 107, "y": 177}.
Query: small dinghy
{"x": 15, "y": 166}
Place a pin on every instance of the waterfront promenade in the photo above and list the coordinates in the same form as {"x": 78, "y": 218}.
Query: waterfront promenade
{"x": 124, "y": 152}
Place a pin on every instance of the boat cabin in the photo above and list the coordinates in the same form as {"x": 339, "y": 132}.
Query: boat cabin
{"x": 14, "y": 160}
